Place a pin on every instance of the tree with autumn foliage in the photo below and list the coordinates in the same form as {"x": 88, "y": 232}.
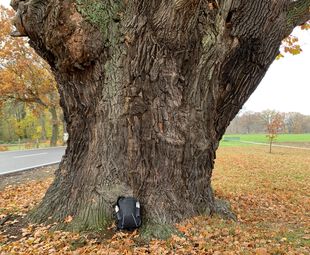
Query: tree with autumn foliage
{"x": 24, "y": 76}
{"x": 274, "y": 125}
{"x": 148, "y": 89}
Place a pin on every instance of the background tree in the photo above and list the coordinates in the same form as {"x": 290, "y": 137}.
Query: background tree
{"x": 26, "y": 77}
{"x": 274, "y": 124}
{"x": 251, "y": 122}
{"x": 148, "y": 89}
{"x": 255, "y": 122}
{"x": 297, "y": 123}
{"x": 25, "y": 124}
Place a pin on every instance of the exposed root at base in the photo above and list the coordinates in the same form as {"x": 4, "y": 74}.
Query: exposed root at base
{"x": 223, "y": 209}
{"x": 150, "y": 231}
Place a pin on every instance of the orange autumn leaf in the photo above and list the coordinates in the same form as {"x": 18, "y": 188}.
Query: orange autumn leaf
{"x": 68, "y": 219}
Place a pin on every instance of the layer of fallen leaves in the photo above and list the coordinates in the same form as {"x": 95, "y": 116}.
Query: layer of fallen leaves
{"x": 19, "y": 199}
{"x": 269, "y": 192}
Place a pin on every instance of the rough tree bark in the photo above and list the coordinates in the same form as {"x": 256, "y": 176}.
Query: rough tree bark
{"x": 148, "y": 88}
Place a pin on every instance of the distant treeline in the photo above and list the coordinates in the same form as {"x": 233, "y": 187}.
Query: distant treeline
{"x": 256, "y": 122}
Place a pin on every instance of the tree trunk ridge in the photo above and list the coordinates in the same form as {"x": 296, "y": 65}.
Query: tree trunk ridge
{"x": 148, "y": 89}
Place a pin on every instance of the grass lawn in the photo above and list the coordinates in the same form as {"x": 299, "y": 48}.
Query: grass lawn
{"x": 268, "y": 192}
{"x": 23, "y": 147}
{"x": 16, "y": 147}
{"x": 261, "y": 138}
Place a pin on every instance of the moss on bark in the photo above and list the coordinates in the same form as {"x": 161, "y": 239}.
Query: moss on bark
{"x": 101, "y": 14}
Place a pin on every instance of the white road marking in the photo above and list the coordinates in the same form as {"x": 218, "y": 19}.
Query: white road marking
{"x": 31, "y": 167}
{"x": 30, "y": 155}
{"x": 36, "y": 149}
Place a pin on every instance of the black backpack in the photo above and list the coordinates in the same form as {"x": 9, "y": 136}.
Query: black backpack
{"x": 127, "y": 212}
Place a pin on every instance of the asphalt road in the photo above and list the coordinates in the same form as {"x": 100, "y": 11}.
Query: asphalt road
{"x": 13, "y": 161}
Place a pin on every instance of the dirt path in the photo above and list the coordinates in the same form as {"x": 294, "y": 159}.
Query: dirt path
{"x": 277, "y": 145}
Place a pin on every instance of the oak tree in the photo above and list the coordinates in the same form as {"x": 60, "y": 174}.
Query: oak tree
{"x": 148, "y": 88}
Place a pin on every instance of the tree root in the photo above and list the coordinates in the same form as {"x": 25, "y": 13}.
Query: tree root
{"x": 223, "y": 209}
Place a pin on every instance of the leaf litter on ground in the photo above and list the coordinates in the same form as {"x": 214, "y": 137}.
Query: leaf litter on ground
{"x": 268, "y": 192}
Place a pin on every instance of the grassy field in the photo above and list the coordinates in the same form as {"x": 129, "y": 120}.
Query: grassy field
{"x": 17, "y": 147}
{"x": 268, "y": 192}
{"x": 24, "y": 147}
{"x": 294, "y": 139}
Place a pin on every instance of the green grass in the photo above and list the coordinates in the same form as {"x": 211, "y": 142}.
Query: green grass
{"x": 232, "y": 143}
{"x": 23, "y": 147}
{"x": 261, "y": 138}
{"x": 17, "y": 147}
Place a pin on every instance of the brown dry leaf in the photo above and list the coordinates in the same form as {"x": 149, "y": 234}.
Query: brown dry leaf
{"x": 68, "y": 219}
{"x": 306, "y": 237}
{"x": 261, "y": 251}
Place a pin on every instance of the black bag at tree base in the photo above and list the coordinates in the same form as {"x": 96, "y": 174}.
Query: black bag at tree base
{"x": 127, "y": 212}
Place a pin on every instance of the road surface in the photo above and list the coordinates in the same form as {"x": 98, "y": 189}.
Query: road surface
{"x": 14, "y": 161}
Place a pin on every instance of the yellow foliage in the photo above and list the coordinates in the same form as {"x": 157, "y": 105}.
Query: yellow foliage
{"x": 24, "y": 76}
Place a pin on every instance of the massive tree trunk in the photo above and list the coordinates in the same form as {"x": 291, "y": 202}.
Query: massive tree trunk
{"x": 148, "y": 88}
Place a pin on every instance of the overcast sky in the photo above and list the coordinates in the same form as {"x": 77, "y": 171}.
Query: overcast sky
{"x": 286, "y": 86}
